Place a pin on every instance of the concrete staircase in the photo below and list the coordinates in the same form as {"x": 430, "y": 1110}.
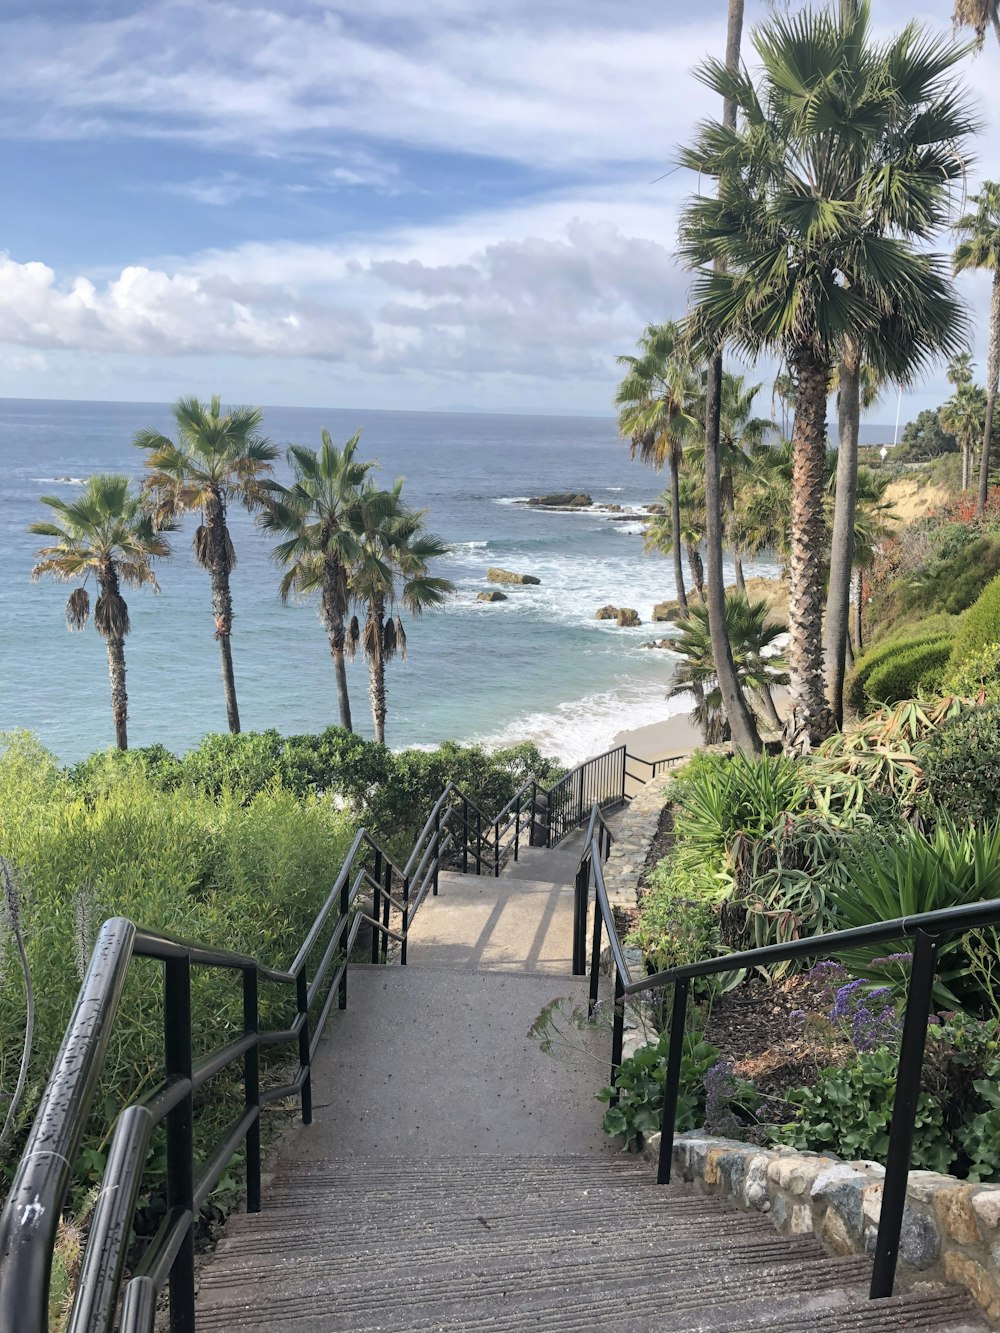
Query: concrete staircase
{"x": 455, "y": 1178}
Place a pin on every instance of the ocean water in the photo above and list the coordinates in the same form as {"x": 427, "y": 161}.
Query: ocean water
{"x": 538, "y": 666}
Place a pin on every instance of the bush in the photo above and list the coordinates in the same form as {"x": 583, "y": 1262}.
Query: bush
{"x": 907, "y": 872}
{"x": 980, "y": 625}
{"x": 935, "y": 630}
{"x": 975, "y": 675}
{"x": 678, "y": 919}
{"x": 911, "y": 667}
{"x": 961, "y": 764}
{"x": 951, "y": 583}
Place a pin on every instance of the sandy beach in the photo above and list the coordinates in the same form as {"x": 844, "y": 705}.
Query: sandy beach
{"x": 675, "y": 735}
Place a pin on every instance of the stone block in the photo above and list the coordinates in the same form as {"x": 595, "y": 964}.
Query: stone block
{"x": 986, "y": 1206}
{"x": 796, "y": 1174}
{"x": 959, "y": 1268}
{"x": 836, "y": 1235}
{"x": 956, "y": 1214}
{"x": 919, "y": 1240}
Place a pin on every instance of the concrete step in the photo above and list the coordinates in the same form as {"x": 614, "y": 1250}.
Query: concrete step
{"x": 504, "y": 1242}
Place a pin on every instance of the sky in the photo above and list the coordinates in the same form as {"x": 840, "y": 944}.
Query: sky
{"x": 359, "y": 203}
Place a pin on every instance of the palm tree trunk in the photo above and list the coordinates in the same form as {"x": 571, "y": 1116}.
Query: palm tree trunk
{"x": 697, "y": 567}
{"x": 966, "y": 465}
{"x": 222, "y": 601}
{"x": 810, "y": 719}
{"x": 675, "y": 526}
{"x": 838, "y": 602}
{"x": 119, "y": 698}
{"x": 741, "y": 583}
{"x": 333, "y": 619}
{"x": 992, "y": 376}
{"x": 376, "y": 668}
{"x": 859, "y": 605}
{"x": 848, "y": 655}
{"x": 766, "y": 700}
{"x": 741, "y": 720}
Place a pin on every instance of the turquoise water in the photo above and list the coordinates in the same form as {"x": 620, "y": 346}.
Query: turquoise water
{"x": 538, "y": 666}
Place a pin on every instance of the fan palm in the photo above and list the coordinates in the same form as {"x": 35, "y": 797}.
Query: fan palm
{"x": 318, "y": 516}
{"x": 108, "y": 533}
{"x": 980, "y": 249}
{"x": 874, "y": 517}
{"x": 391, "y": 570}
{"x": 843, "y": 152}
{"x": 964, "y": 415}
{"x": 750, "y": 636}
{"x": 216, "y": 460}
{"x": 657, "y": 403}
{"x": 979, "y": 15}
{"x": 659, "y": 535}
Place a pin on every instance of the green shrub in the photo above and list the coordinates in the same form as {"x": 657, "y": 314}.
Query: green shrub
{"x": 678, "y": 920}
{"x": 961, "y": 763}
{"x": 640, "y": 1083}
{"x": 966, "y": 563}
{"x": 907, "y": 872}
{"x": 903, "y": 674}
{"x": 911, "y": 637}
{"x": 980, "y": 625}
{"x": 976, "y": 674}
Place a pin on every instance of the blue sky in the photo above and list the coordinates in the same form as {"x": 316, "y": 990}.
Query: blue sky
{"x": 362, "y": 203}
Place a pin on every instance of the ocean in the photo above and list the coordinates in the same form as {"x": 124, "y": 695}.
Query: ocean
{"x": 537, "y": 667}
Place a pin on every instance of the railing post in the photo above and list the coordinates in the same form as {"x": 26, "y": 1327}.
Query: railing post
{"x": 465, "y": 835}
{"x": 904, "y": 1109}
{"x": 386, "y": 904}
{"x": 406, "y": 920}
{"x": 479, "y": 841}
{"x": 251, "y": 1087}
{"x": 617, "y": 1034}
{"x": 345, "y": 908}
{"x": 376, "y": 902}
{"x": 624, "y": 771}
{"x": 302, "y": 996}
{"x": 496, "y": 849}
{"x": 180, "y": 1135}
{"x": 672, "y": 1082}
{"x": 580, "y": 917}
{"x": 517, "y": 826}
{"x": 436, "y": 858}
{"x": 595, "y": 960}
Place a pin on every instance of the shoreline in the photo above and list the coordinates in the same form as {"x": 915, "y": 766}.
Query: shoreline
{"x": 674, "y": 736}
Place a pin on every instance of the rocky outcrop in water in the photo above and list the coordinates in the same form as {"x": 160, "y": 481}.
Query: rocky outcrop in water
{"x": 491, "y": 596}
{"x": 626, "y": 617}
{"x": 608, "y": 612}
{"x": 561, "y": 500}
{"x": 666, "y": 610}
{"x": 497, "y": 575}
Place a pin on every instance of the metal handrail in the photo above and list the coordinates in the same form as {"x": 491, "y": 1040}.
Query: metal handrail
{"x": 927, "y": 929}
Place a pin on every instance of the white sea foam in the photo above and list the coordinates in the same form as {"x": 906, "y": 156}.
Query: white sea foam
{"x": 575, "y": 730}
{"x": 60, "y": 481}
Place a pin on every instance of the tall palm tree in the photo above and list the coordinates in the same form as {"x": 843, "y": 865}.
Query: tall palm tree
{"x": 741, "y": 719}
{"x": 783, "y": 394}
{"x": 657, "y": 403}
{"x": 874, "y": 517}
{"x": 979, "y": 15}
{"x": 963, "y": 415}
{"x": 844, "y": 152}
{"x": 858, "y": 387}
{"x": 217, "y": 459}
{"x": 659, "y": 535}
{"x": 391, "y": 570}
{"x": 318, "y": 516}
{"x": 751, "y": 636}
{"x": 980, "y": 249}
{"x": 108, "y": 533}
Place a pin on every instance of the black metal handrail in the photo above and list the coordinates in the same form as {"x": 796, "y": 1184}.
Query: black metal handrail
{"x": 927, "y": 929}
{"x": 31, "y": 1214}
{"x": 655, "y": 766}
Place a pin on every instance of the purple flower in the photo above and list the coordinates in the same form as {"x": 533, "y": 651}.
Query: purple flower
{"x": 870, "y": 1016}
{"x": 823, "y": 970}
{"x": 797, "y": 1013}
{"x": 892, "y": 958}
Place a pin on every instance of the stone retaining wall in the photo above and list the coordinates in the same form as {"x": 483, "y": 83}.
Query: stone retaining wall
{"x": 635, "y": 837}
{"x": 951, "y": 1230}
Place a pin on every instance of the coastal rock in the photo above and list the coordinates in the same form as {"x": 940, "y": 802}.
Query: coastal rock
{"x": 562, "y": 500}
{"x": 666, "y": 610}
{"x": 657, "y": 643}
{"x": 497, "y": 575}
{"x": 491, "y": 596}
{"x": 608, "y": 612}
{"x": 628, "y": 618}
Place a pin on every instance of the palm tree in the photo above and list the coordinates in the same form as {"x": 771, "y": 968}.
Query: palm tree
{"x": 844, "y": 152}
{"x": 318, "y": 516}
{"x": 980, "y": 249}
{"x": 874, "y": 517}
{"x": 783, "y": 393}
{"x": 392, "y": 569}
{"x": 659, "y": 535}
{"x": 964, "y": 415}
{"x": 741, "y": 720}
{"x": 657, "y": 400}
{"x": 978, "y": 14}
{"x": 108, "y": 533}
{"x": 216, "y": 460}
{"x": 858, "y": 387}
{"x": 750, "y": 635}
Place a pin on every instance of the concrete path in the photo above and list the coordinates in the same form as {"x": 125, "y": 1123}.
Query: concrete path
{"x": 456, "y": 1178}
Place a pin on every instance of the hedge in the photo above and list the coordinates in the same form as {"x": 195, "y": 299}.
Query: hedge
{"x": 961, "y": 763}
{"x": 980, "y": 625}
{"x": 855, "y": 689}
{"x": 902, "y": 674}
